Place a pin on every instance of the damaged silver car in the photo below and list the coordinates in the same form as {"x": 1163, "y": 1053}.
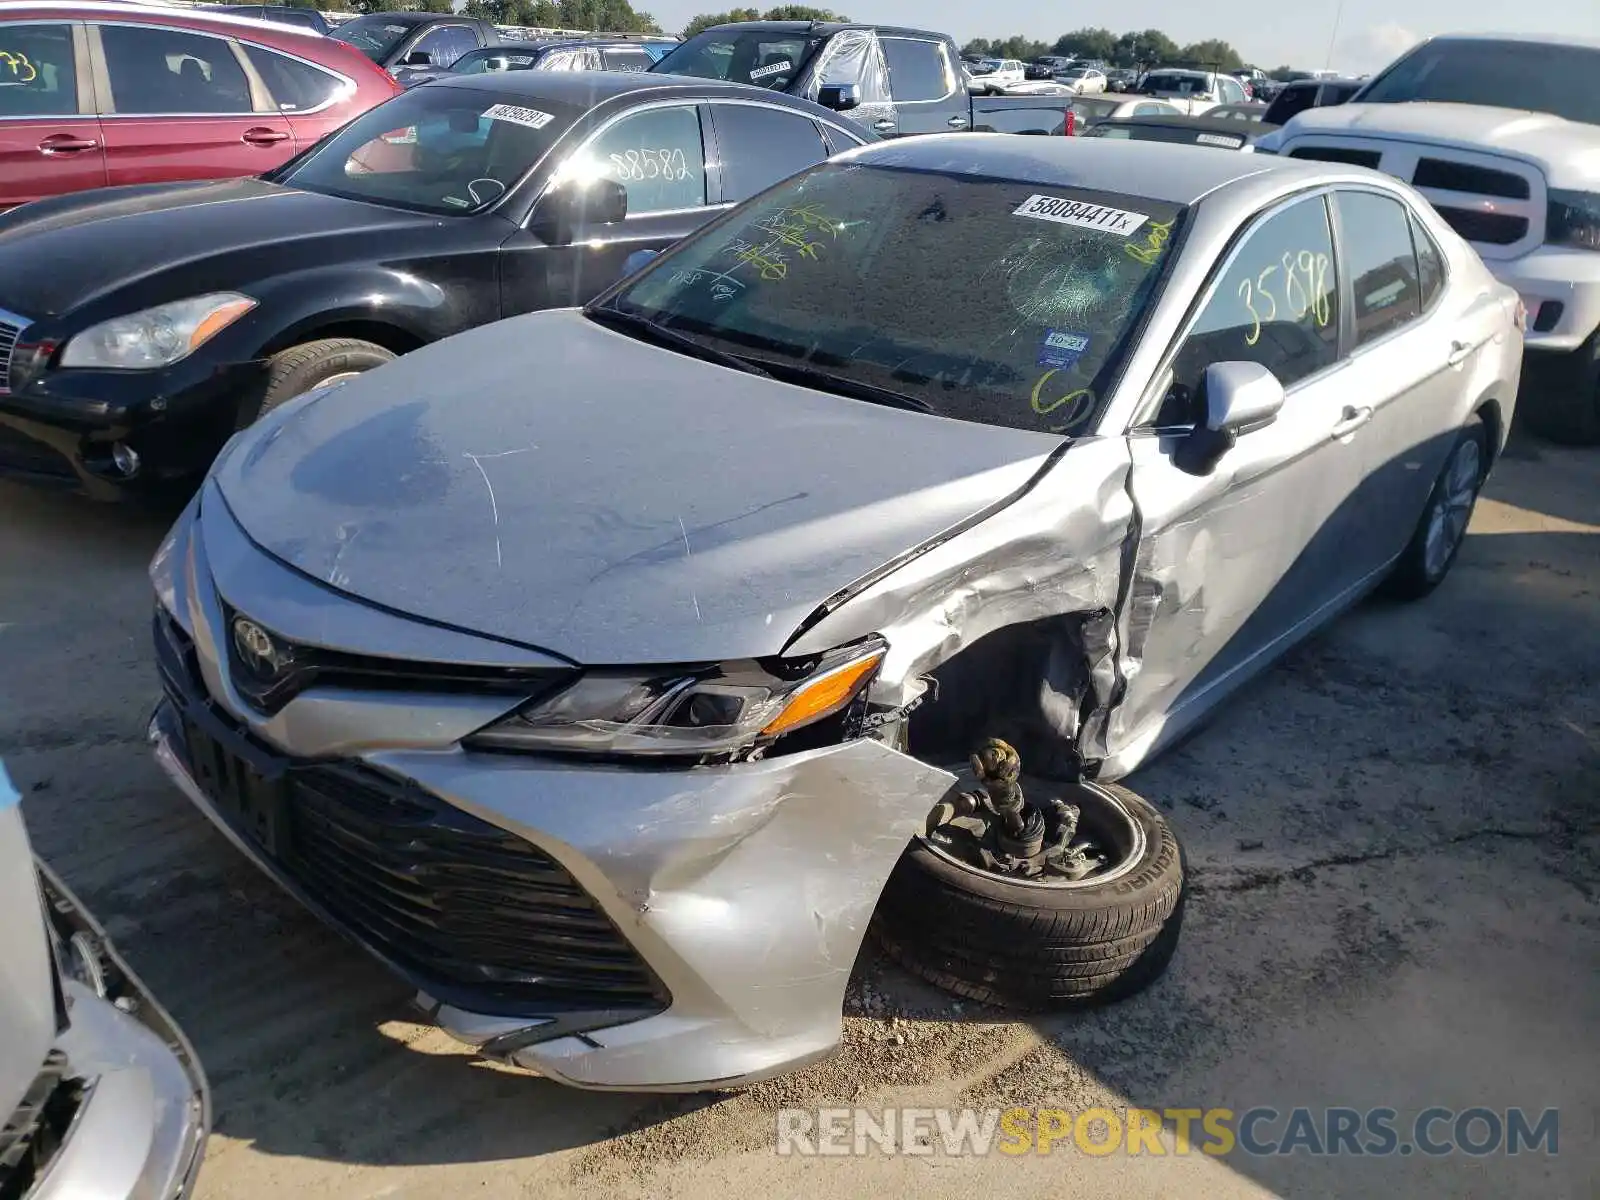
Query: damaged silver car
{"x": 608, "y": 672}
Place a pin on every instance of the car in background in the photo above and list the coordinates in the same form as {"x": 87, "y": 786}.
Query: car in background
{"x": 1253, "y": 79}
{"x": 1122, "y": 79}
{"x": 567, "y": 54}
{"x": 600, "y": 665}
{"x": 1253, "y": 111}
{"x": 1218, "y": 133}
{"x": 1192, "y": 92}
{"x": 140, "y": 327}
{"x": 101, "y": 1095}
{"x": 97, "y": 95}
{"x": 1086, "y": 81}
{"x": 658, "y": 48}
{"x": 397, "y": 40}
{"x": 284, "y": 14}
{"x": 1303, "y": 94}
{"x": 991, "y": 76}
{"x": 1088, "y": 111}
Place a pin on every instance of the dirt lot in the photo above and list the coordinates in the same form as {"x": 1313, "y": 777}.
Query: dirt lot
{"x": 1393, "y": 838}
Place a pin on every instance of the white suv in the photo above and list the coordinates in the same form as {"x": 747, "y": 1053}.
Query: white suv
{"x": 1502, "y": 134}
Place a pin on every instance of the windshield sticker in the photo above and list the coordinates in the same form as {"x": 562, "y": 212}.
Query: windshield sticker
{"x": 520, "y": 60}
{"x": 1062, "y": 349}
{"x": 532, "y": 118}
{"x": 401, "y": 137}
{"x": 394, "y": 28}
{"x": 457, "y": 201}
{"x": 1077, "y": 212}
{"x": 777, "y": 68}
{"x": 1155, "y": 241}
{"x": 1217, "y": 139}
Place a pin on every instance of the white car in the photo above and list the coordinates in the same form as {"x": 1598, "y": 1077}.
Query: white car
{"x": 1193, "y": 92}
{"x": 993, "y": 76}
{"x": 1502, "y": 134}
{"x": 1086, "y": 81}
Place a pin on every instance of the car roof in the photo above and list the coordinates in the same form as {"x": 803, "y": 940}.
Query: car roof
{"x": 825, "y": 28}
{"x": 1535, "y": 39}
{"x": 158, "y": 14}
{"x": 1202, "y": 124}
{"x": 404, "y": 18}
{"x": 584, "y": 89}
{"x": 1156, "y": 171}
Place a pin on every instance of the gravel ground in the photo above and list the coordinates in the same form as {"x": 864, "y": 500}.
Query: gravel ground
{"x": 1395, "y": 845}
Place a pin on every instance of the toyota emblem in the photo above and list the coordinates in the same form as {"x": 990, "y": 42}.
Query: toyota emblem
{"x": 257, "y": 650}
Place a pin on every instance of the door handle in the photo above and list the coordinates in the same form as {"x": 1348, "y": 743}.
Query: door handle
{"x": 66, "y": 143}
{"x": 883, "y": 125}
{"x": 957, "y": 122}
{"x": 1352, "y": 419}
{"x": 264, "y": 137}
{"x": 1458, "y": 353}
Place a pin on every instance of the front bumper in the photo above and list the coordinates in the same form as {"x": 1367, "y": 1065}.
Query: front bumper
{"x": 1561, "y": 290}
{"x": 143, "y": 1108}
{"x": 739, "y": 894}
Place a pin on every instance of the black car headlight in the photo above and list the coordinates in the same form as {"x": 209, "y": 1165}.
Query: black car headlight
{"x": 1573, "y": 219}
{"x": 698, "y": 712}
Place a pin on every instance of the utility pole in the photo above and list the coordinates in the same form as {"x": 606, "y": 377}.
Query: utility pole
{"x": 1338, "y": 17}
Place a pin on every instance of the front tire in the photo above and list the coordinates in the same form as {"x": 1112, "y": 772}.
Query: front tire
{"x": 310, "y": 365}
{"x": 1442, "y": 528}
{"x": 1037, "y": 947}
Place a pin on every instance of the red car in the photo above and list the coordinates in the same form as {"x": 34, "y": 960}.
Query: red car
{"x": 104, "y": 94}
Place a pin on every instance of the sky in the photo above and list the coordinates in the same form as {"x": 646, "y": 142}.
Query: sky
{"x": 1364, "y": 35}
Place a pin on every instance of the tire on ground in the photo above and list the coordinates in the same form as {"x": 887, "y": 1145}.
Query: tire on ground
{"x": 1410, "y": 578}
{"x": 300, "y": 368}
{"x": 1037, "y": 947}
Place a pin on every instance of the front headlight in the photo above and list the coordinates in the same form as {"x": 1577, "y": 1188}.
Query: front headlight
{"x": 156, "y": 337}
{"x": 1573, "y": 219}
{"x": 714, "y": 711}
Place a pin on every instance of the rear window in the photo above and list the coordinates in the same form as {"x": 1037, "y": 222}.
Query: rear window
{"x": 1533, "y": 76}
{"x": 375, "y": 35}
{"x": 765, "y": 58}
{"x": 1167, "y": 133}
{"x": 977, "y": 299}
{"x": 1175, "y": 85}
{"x": 436, "y": 149}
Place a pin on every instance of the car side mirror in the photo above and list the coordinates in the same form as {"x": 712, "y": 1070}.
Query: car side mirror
{"x": 565, "y": 209}
{"x": 417, "y": 58}
{"x": 1237, "y": 398}
{"x": 841, "y": 97}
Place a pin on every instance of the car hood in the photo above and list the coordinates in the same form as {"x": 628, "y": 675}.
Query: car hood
{"x": 550, "y": 482}
{"x": 60, "y": 254}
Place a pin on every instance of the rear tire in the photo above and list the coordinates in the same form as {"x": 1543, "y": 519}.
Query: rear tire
{"x": 1563, "y": 402}
{"x": 1038, "y": 947}
{"x": 1442, "y": 528}
{"x": 301, "y": 368}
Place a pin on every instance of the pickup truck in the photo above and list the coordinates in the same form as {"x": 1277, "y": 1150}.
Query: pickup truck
{"x": 893, "y": 81}
{"x": 1502, "y": 134}
{"x": 395, "y": 40}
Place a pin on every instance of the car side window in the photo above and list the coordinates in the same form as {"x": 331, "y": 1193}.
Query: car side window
{"x": 658, "y": 155}
{"x": 759, "y": 146}
{"x": 838, "y": 143}
{"x": 1375, "y": 240}
{"x": 917, "y": 69}
{"x": 1430, "y": 263}
{"x": 625, "y": 58}
{"x": 295, "y": 86}
{"x": 1276, "y": 303}
{"x": 164, "y": 72}
{"x": 38, "y": 71}
{"x": 1232, "y": 91}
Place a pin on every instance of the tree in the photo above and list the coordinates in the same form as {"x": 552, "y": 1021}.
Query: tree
{"x": 1087, "y": 43}
{"x": 1149, "y": 48}
{"x": 1213, "y": 53}
{"x": 783, "y": 12}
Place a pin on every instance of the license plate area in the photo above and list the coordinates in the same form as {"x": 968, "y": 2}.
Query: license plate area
{"x": 252, "y": 798}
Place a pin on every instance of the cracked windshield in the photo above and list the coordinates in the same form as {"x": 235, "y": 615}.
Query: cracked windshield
{"x": 841, "y": 275}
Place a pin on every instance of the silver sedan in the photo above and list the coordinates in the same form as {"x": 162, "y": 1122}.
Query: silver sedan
{"x": 596, "y": 669}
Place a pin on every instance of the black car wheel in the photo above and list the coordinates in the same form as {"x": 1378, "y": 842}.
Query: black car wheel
{"x": 312, "y": 365}
{"x": 1040, "y": 944}
{"x": 1443, "y": 526}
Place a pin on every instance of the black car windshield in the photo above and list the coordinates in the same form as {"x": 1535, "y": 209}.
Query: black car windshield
{"x": 374, "y": 35}
{"x": 766, "y": 58}
{"x": 496, "y": 58}
{"x": 1533, "y": 76}
{"x": 977, "y": 299}
{"x": 435, "y": 149}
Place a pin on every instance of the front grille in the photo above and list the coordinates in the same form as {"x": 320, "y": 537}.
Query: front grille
{"x": 1492, "y": 229}
{"x": 1465, "y": 177}
{"x": 36, "y": 1128}
{"x": 1338, "y": 154}
{"x": 21, "y": 454}
{"x": 8, "y": 343}
{"x": 470, "y": 913}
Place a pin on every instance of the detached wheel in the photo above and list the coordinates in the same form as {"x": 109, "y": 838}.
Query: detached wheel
{"x": 1049, "y": 944}
{"x": 1563, "y": 405}
{"x": 1440, "y": 533}
{"x": 313, "y": 365}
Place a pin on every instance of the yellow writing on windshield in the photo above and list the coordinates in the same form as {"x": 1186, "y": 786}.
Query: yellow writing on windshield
{"x": 1074, "y": 402}
{"x": 1155, "y": 241}
{"x": 1300, "y": 278}
{"x": 21, "y": 68}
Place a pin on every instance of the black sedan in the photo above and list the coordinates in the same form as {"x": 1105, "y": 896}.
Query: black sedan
{"x": 141, "y": 326}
